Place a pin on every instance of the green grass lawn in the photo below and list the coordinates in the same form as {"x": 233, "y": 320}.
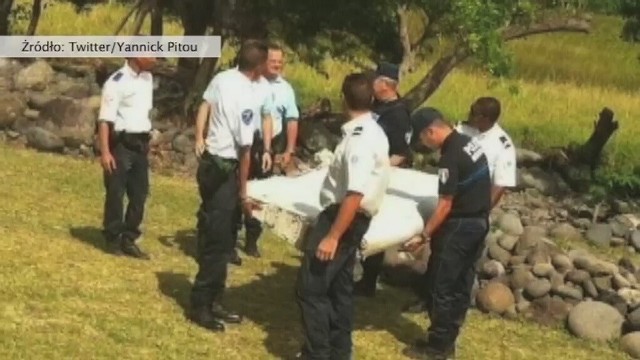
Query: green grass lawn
{"x": 62, "y": 297}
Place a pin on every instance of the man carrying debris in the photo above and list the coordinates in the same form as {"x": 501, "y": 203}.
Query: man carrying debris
{"x": 124, "y": 125}
{"x": 284, "y": 133}
{"x": 351, "y": 195}
{"x": 482, "y": 124}
{"x": 455, "y": 232}
{"x": 395, "y": 119}
{"x": 232, "y": 104}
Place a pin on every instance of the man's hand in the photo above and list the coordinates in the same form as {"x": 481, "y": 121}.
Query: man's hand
{"x": 327, "y": 249}
{"x": 248, "y": 206}
{"x": 108, "y": 162}
{"x": 415, "y": 243}
{"x": 286, "y": 159}
{"x": 199, "y": 148}
{"x": 267, "y": 162}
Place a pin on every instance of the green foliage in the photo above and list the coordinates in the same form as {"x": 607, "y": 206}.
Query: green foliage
{"x": 630, "y": 10}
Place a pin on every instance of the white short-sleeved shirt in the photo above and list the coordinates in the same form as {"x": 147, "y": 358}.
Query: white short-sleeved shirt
{"x": 285, "y": 107}
{"x": 500, "y": 152}
{"x": 361, "y": 164}
{"x": 127, "y": 100}
{"x": 237, "y": 106}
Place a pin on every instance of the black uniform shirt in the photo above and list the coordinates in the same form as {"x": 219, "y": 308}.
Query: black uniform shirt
{"x": 395, "y": 120}
{"x": 464, "y": 174}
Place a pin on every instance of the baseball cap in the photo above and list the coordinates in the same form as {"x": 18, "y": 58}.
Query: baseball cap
{"x": 423, "y": 118}
{"x": 389, "y": 70}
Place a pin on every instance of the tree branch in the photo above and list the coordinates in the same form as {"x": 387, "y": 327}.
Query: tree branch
{"x": 439, "y": 71}
{"x": 126, "y": 17}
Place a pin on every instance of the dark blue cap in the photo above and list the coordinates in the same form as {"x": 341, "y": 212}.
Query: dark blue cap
{"x": 423, "y": 118}
{"x": 389, "y": 70}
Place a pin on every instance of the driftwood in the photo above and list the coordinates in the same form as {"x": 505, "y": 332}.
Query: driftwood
{"x": 577, "y": 164}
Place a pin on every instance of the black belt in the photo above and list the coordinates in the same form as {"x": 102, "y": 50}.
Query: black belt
{"x": 138, "y": 142}
{"x": 469, "y": 216}
{"x": 225, "y": 164}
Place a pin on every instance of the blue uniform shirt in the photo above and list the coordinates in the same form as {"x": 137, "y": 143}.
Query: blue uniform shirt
{"x": 284, "y": 107}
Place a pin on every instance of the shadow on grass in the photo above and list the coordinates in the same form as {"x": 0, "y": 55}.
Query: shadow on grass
{"x": 90, "y": 235}
{"x": 185, "y": 240}
{"x": 270, "y": 302}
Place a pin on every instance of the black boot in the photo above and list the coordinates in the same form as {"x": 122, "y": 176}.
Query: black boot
{"x": 253, "y": 230}
{"x": 234, "y": 258}
{"x": 130, "y": 248}
{"x": 225, "y": 315}
{"x": 205, "y": 318}
{"x": 114, "y": 246}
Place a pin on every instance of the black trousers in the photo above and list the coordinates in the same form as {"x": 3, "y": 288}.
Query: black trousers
{"x": 371, "y": 269}
{"x": 446, "y": 285}
{"x": 325, "y": 289}
{"x": 218, "y": 186}
{"x": 131, "y": 176}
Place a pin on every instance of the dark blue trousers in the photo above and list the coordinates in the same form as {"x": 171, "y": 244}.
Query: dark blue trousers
{"x": 446, "y": 285}
{"x": 325, "y": 290}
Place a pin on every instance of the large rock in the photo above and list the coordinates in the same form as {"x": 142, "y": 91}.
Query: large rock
{"x": 492, "y": 269}
{"x": 600, "y": 234}
{"x": 526, "y": 157}
{"x": 495, "y": 298}
{"x": 545, "y": 182}
{"x": 565, "y": 231}
{"x": 34, "y": 77}
{"x": 634, "y": 239}
{"x": 508, "y": 242}
{"x": 537, "y": 288}
{"x": 44, "y": 140}
{"x": 529, "y": 240}
{"x": 631, "y": 297}
{"x": 569, "y": 292}
{"x": 510, "y": 224}
{"x": 520, "y": 277}
{"x": 12, "y": 107}
{"x": 543, "y": 270}
{"x": 184, "y": 142}
{"x": 595, "y": 321}
{"x": 499, "y": 254}
{"x": 630, "y": 344}
{"x": 562, "y": 263}
{"x": 74, "y": 120}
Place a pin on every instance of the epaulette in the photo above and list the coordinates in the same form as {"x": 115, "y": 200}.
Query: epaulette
{"x": 357, "y": 131}
{"x": 505, "y": 142}
{"x": 117, "y": 76}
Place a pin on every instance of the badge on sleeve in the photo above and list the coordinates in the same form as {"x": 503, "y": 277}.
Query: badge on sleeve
{"x": 247, "y": 116}
{"x": 443, "y": 175}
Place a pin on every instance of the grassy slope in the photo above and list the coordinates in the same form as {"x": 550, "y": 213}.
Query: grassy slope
{"x": 63, "y": 298}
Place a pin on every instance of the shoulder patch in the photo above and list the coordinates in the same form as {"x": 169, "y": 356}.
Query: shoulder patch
{"x": 357, "y": 131}
{"x": 505, "y": 142}
{"x": 443, "y": 175}
{"x": 117, "y": 76}
{"x": 247, "y": 116}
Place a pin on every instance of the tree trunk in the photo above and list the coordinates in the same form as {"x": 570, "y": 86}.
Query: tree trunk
{"x": 408, "y": 53}
{"x": 126, "y": 18}
{"x": 156, "y": 17}
{"x": 5, "y": 12}
{"x": 577, "y": 164}
{"x": 35, "y": 17}
{"x": 195, "y": 15}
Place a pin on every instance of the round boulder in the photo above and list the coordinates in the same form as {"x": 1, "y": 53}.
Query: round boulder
{"x": 565, "y": 231}
{"x": 630, "y": 344}
{"x": 510, "y": 224}
{"x": 600, "y": 235}
{"x": 495, "y": 298}
{"x": 537, "y": 288}
{"x": 595, "y": 321}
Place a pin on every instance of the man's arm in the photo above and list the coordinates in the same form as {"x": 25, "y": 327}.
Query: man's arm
{"x": 267, "y": 131}
{"x": 106, "y": 118}
{"x": 505, "y": 172}
{"x": 291, "y": 116}
{"x": 245, "y": 164}
{"x": 201, "y": 120}
{"x": 346, "y": 214}
{"x": 447, "y": 188}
